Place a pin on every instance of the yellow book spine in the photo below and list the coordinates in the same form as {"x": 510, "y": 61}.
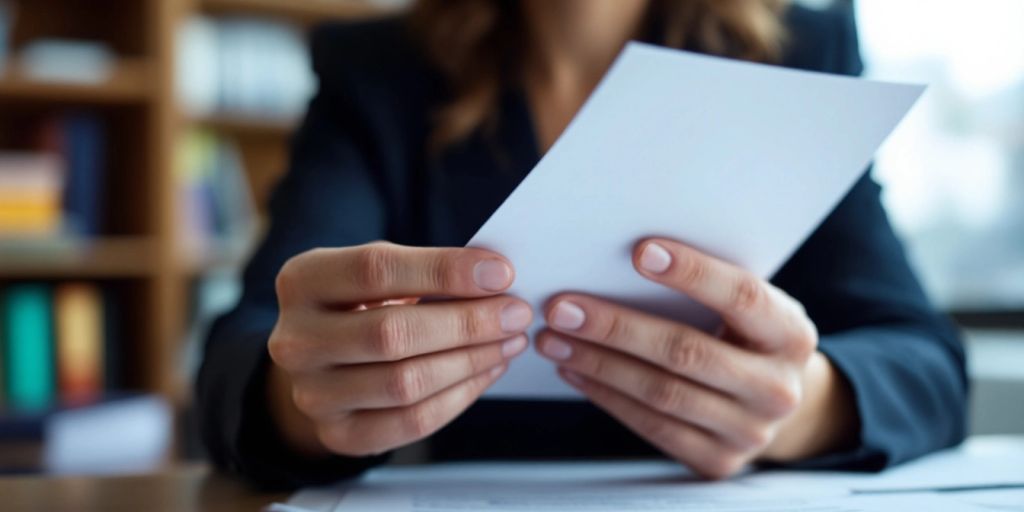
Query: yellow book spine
{"x": 79, "y": 318}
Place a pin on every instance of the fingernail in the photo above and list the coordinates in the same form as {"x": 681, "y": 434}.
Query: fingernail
{"x": 513, "y": 346}
{"x": 556, "y": 349}
{"x": 568, "y": 316}
{"x": 573, "y": 377}
{"x": 515, "y": 317}
{"x": 655, "y": 258}
{"x": 492, "y": 275}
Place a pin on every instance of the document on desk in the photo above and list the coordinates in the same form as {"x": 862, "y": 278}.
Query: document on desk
{"x": 603, "y": 486}
{"x": 738, "y": 159}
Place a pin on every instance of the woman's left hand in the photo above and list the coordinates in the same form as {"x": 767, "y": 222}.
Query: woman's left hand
{"x": 759, "y": 390}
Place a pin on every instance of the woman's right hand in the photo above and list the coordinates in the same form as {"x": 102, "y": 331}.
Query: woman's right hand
{"x": 360, "y": 367}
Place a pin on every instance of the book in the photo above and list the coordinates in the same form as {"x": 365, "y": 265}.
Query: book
{"x": 84, "y": 150}
{"x": 112, "y": 336}
{"x": 56, "y": 188}
{"x": 78, "y": 311}
{"x": 6, "y": 21}
{"x": 28, "y": 346}
{"x": 31, "y": 185}
{"x": 216, "y": 202}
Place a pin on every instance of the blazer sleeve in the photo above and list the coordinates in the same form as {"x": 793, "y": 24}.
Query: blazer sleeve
{"x": 330, "y": 196}
{"x": 903, "y": 359}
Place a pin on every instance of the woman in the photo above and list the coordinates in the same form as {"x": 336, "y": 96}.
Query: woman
{"x": 421, "y": 127}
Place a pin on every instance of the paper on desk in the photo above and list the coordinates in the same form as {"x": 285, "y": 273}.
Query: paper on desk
{"x": 981, "y": 461}
{"x": 603, "y": 486}
{"x": 741, "y": 160}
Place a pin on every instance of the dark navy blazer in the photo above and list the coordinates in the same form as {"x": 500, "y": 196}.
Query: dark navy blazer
{"x": 360, "y": 172}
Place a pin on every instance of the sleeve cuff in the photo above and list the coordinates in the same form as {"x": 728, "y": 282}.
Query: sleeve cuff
{"x": 867, "y": 454}
{"x": 909, "y": 400}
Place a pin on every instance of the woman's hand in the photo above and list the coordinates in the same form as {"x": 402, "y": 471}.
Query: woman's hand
{"x": 361, "y": 368}
{"x": 714, "y": 403}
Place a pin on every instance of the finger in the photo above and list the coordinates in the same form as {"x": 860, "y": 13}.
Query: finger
{"x": 676, "y": 347}
{"x": 375, "y": 431}
{"x": 380, "y": 271}
{"x": 392, "y": 333}
{"x": 386, "y": 385}
{"x": 688, "y": 444}
{"x": 667, "y": 393}
{"x": 759, "y": 312}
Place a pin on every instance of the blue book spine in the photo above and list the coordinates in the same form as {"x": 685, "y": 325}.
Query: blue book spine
{"x": 85, "y": 152}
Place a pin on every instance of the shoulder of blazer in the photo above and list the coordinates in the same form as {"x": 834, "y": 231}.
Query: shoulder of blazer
{"x": 822, "y": 40}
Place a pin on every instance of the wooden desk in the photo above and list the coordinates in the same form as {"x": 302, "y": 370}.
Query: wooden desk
{"x": 184, "y": 489}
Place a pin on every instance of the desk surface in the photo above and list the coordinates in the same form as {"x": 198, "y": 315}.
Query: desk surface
{"x": 183, "y": 489}
{"x": 983, "y": 459}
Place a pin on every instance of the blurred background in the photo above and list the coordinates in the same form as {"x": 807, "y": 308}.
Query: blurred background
{"x": 139, "y": 140}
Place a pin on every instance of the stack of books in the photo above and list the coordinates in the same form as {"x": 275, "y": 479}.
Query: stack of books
{"x": 54, "y": 185}
{"x": 31, "y": 185}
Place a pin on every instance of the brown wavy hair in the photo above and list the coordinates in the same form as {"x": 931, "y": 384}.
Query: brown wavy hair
{"x": 479, "y": 45}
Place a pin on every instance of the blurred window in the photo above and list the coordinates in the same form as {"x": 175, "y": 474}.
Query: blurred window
{"x": 954, "y": 170}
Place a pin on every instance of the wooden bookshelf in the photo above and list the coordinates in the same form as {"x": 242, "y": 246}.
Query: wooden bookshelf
{"x": 111, "y": 257}
{"x": 247, "y": 126}
{"x": 135, "y": 104}
{"x": 301, "y": 11}
{"x": 128, "y": 83}
{"x": 140, "y": 250}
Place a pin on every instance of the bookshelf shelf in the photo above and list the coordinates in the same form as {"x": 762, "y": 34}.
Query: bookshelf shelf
{"x": 115, "y": 257}
{"x": 301, "y": 11}
{"x": 247, "y": 126}
{"x": 127, "y": 83}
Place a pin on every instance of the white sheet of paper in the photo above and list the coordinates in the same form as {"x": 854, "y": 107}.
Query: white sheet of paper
{"x": 603, "y": 486}
{"x": 653, "y": 485}
{"x": 988, "y": 460}
{"x": 738, "y": 159}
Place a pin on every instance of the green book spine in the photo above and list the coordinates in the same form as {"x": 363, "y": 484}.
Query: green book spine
{"x": 28, "y": 333}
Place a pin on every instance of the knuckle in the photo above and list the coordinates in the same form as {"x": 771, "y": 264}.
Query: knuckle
{"x": 307, "y": 400}
{"x": 665, "y": 394}
{"x": 660, "y": 432}
{"x": 442, "y": 273}
{"x": 684, "y": 354}
{"x": 747, "y": 294}
{"x": 405, "y": 384}
{"x": 389, "y": 335}
{"x": 477, "y": 361}
{"x": 806, "y": 340}
{"x": 473, "y": 322}
{"x": 285, "y": 282}
{"x": 783, "y": 398}
{"x": 285, "y": 350}
{"x": 335, "y": 438}
{"x": 595, "y": 364}
{"x": 375, "y": 266}
{"x": 754, "y": 437}
{"x": 691, "y": 271}
{"x": 618, "y": 328}
{"x": 418, "y": 421}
